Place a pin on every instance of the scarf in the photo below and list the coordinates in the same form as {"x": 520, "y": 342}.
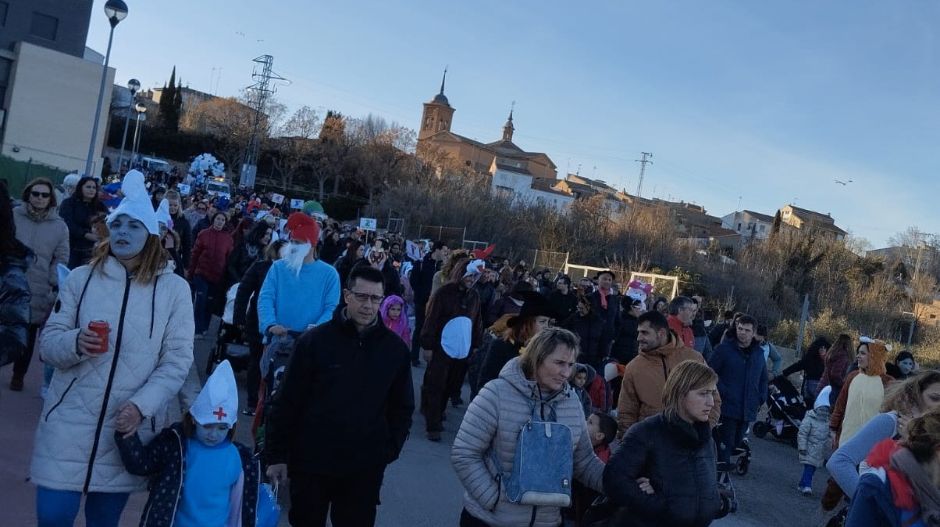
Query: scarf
{"x": 604, "y": 292}
{"x": 37, "y": 215}
{"x": 921, "y": 487}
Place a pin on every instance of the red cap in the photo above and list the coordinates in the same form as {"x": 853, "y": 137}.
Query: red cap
{"x": 303, "y": 227}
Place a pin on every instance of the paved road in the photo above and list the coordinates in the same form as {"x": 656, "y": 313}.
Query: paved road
{"x": 420, "y": 489}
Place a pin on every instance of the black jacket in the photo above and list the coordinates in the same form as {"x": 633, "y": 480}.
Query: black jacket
{"x": 495, "y": 356}
{"x": 679, "y": 460}
{"x": 422, "y": 275}
{"x": 163, "y": 461}
{"x": 346, "y": 401}
{"x": 563, "y": 305}
{"x": 245, "y": 312}
{"x": 77, "y": 216}
{"x": 239, "y": 260}
{"x": 589, "y": 330}
{"x": 185, "y": 230}
{"x": 811, "y": 365}
{"x": 330, "y": 250}
{"x": 610, "y": 316}
{"x": 625, "y": 346}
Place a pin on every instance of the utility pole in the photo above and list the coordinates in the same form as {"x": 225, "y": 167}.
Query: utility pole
{"x": 643, "y": 162}
{"x": 258, "y": 94}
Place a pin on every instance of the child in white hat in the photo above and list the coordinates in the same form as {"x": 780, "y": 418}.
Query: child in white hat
{"x": 198, "y": 475}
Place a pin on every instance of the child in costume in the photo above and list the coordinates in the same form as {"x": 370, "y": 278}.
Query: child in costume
{"x": 199, "y": 477}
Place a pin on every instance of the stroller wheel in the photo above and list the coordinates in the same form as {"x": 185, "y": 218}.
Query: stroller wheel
{"x": 760, "y": 429}
{"x": 742, "y": 465}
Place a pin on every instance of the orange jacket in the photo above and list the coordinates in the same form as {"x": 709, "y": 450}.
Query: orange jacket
{"x": 641, "y": 392}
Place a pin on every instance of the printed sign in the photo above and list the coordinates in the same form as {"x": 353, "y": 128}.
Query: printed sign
{"x": 296, "y": 203}
{"x": 367, "y": 224}
{"x": 277, "y": 198}
{"x": 184, "y": 189}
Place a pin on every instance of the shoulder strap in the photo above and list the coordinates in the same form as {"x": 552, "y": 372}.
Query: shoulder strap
{"x": 78, "y": 307}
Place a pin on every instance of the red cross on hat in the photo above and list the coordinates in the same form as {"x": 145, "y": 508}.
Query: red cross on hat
{"x": 220, "y": 413}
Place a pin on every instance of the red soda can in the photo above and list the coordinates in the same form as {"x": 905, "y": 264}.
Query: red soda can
{"x": 102, "y": 328}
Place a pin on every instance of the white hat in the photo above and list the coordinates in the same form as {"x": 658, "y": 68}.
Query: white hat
{"x": 456, "y": 337}
{"x": 823, "y": 398}
{"x": 163, "y": 214}
{"x": 218, "y": 400}
{"x": 475, "y": 267}
{"x": 136, "y": 202}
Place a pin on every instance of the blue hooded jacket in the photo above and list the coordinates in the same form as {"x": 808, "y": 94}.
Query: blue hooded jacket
{"x": 742, "y": 379}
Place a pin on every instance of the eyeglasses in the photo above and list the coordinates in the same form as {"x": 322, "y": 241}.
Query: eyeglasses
{"x": 363, "y": 297}
{"x": 37, "y": 194}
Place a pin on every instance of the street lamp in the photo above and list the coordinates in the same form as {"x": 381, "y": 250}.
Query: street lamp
{"x": 141, "y": 109}
{"x": 132, "y": 85}
{"x": 115, "y": 10}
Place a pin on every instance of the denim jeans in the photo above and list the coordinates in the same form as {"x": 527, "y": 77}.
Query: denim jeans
{"x": 807, "y": 479}
{"x": 58, "y": 508}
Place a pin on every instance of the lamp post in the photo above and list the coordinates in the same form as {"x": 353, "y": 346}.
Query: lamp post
{"x": 115, "y": 10}
{"x": 132, "y": 85}
{"x": 141, "y": 109}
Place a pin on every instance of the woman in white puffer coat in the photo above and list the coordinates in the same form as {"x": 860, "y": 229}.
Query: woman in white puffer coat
{"x": 489, "y": 431}
{"x": 120, "y": 385}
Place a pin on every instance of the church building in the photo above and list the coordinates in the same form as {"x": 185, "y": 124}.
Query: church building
{"x": 437, "y": 144}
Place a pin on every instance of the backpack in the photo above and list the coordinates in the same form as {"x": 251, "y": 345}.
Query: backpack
{"x": 543, "y": 463}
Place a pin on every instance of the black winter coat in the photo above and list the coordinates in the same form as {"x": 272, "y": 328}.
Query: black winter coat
{"x": 346, "y": 401}
{"x": 679, "y": 460}
{"x": 610, "y": 316}
{"x": 495, "y": 356}
{"x": 422, "y": 275}
{"x": 625, "y": 346}
{"x": 239, "y": 260}
{"x": 245, "y": 312}
{"x": 590, "y": 330}
{"x": 185, "y": 230}
{"x": 563, "y": 305}
{"x": 163, "y": 461}
{"x": 77, "y": 215}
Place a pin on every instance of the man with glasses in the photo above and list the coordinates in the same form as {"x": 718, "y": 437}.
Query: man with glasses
{"x": 299, "y": 291}
{"x": 343, "y": 412}
{"x": 682, "y": 311}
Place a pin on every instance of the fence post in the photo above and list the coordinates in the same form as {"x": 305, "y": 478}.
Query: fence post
{"x": 803, "y": 317}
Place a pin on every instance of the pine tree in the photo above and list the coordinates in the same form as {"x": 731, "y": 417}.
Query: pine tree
{"x": 169, "y": 111}
{"x": 178, "y": 104}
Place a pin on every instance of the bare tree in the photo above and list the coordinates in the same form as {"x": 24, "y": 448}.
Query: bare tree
{"x": 295, "y": 147}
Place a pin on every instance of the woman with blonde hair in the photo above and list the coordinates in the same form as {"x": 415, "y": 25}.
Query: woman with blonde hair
{"x": 120, "y": 338}
{"x": 665, "y": 471}
{"x": 535, "y": 382}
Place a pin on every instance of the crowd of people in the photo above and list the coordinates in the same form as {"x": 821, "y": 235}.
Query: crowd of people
{"x": 640, "y": 401}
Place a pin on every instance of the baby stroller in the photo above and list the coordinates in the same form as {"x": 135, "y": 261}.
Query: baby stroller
{"x": 229, "y": 342}
{"x": 785, "y": 411}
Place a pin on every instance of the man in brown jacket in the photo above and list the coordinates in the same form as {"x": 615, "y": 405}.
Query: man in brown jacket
{"x": 641, "y": 393}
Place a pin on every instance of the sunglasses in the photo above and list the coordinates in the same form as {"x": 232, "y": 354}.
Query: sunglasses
{"x": 37, "y": 194}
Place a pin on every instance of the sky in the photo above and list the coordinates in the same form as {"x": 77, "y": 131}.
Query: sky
{"x": 753, "y": 103}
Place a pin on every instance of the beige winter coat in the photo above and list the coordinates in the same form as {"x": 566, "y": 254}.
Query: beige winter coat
{"x": 49, "y": 241}
{"x": 492, "y": 422}
{"x": 150, "y": 349}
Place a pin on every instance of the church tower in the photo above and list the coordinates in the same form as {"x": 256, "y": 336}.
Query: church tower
{"x": 437, "y": 115}
{"x": 508, "y": 128}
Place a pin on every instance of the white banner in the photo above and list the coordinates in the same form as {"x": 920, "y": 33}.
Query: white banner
{"x": 277, "y": 198}
{"x": 296, "y": 203}
{"x": 367, "y": 224}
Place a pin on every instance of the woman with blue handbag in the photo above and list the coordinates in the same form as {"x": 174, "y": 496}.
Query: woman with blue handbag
{"x": 528, "y": 415}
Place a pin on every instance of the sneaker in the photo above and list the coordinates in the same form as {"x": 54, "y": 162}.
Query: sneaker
{"x": 806, "y": 491}
{"x": 16, "y": 384}
{"x": 434, "y": 436}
